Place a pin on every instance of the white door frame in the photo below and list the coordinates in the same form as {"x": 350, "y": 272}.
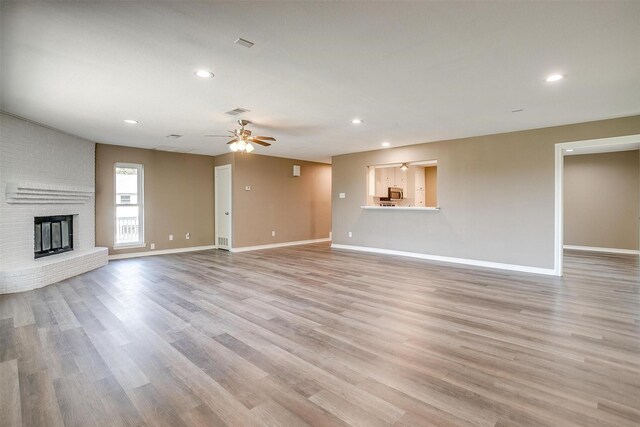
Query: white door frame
{"x": 560, "y": 150}
{"x": 215, "y": 209}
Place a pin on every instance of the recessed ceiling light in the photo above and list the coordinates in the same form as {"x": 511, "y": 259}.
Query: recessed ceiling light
{"x": 386, "y": 144}
{"x": 356, "y": 121}
{"x": 131, "y": 122}
{"x": 204, "y": 74}
{"x": 554, "y": 78}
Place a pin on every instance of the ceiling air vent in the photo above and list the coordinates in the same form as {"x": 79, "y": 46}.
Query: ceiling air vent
{"x": 243, "y": 42}
{"x": 237, "y": 111}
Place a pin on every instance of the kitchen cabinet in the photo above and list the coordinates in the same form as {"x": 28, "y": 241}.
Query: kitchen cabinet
{"x": 390, "y": 177}
{"x": 398, "y": 178}
{"x": 382, "y": 181}
{"x": 401, "y": 180}
{"x": 419, "y": 186}
{"x": 419, "y": 181}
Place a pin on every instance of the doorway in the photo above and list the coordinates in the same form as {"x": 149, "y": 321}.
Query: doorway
{"x": 223, "y": 207}
{"x": 604, "y": 145}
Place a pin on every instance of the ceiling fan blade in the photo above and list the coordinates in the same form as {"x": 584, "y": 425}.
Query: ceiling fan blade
{"x": 266, "y": 138}
{"x": 255, "y": 141}
{"x": 232, "y": 141}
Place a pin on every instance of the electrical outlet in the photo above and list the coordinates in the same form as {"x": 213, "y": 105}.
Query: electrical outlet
{"x": 350, "y": 234}
{"x": 343, "y": 195}
{"x": 247, "y": 188}
{"x": 170, "y": 236}
{"x": 187, "y": 236}
{"x": 152, "y": 246}
{"x": 273, "y": 233}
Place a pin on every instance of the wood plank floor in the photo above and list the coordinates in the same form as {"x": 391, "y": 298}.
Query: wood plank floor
{"x": 314, "y": 336}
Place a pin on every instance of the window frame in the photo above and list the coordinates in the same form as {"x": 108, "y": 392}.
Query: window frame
{"x": 140, "y": 204}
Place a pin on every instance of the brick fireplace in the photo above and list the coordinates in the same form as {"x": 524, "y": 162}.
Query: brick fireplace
{"x": 45, "y": 173}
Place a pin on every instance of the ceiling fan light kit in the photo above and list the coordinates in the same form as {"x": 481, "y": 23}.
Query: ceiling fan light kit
{"x": 243, "y": 140}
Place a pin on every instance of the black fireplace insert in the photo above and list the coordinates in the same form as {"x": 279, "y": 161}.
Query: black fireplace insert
{"x": 52, "y": 235}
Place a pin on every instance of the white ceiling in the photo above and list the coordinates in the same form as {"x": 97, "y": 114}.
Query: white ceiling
{"x": 414, "y": 71}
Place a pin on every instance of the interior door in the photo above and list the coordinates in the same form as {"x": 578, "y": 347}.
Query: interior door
{"x": 223, "y": 217}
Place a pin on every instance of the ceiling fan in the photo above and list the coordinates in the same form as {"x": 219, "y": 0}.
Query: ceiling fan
{"x": 242, "y": 140}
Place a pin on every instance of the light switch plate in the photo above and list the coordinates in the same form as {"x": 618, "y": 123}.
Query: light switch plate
{"x": 247, "y": 188}
{"x": 343, "y": 195}
{"x": 170, "y": 236}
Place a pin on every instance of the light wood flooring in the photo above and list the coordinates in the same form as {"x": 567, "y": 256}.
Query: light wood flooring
{"x": 313, "y": 336}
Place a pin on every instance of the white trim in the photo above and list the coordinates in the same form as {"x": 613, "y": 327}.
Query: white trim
{"x": 559, "y": 183}
{"x": 601, "y": 142}
{"x": 129, "y": 246}
{"x": 603, "y": 250}
{"x": 558, "y": 228}
{"x": 161, "y": 252}
{"x": 279, "y": 245}
{"x": 402, "y": 208}
{"x": 466, "y": 261}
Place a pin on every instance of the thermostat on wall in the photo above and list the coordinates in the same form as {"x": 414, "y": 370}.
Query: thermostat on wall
{"x": 296, "y": 170}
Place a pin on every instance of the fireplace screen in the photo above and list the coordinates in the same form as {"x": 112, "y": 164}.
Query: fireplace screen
{"x": 52, "y": 235}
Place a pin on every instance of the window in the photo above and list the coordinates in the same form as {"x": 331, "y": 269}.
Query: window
{"x": 129, "y": 202}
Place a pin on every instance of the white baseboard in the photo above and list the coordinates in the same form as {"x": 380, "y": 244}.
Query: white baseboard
{"x": 278, "y": 245}
{"x": 603, "y": 250}
{"x": 465, "y": 261}
{"x": 161, "y": 252}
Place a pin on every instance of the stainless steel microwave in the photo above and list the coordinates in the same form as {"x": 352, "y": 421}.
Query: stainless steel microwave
{"x": 395, "y": 193}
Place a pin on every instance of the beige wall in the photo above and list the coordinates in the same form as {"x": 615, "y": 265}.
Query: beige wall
{"x": 296, "y": 208}
{"x": 601, "y": 200}
{"x": 431, "y": 186}
{"x": 496, "y": 193}
{"x": 178, "y": 197}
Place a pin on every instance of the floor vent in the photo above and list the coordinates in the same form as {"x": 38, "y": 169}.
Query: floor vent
{"x": 223, "y": 241}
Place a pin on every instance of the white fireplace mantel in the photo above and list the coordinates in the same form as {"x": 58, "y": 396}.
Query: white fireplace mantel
{"x": 42, "y": 193}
